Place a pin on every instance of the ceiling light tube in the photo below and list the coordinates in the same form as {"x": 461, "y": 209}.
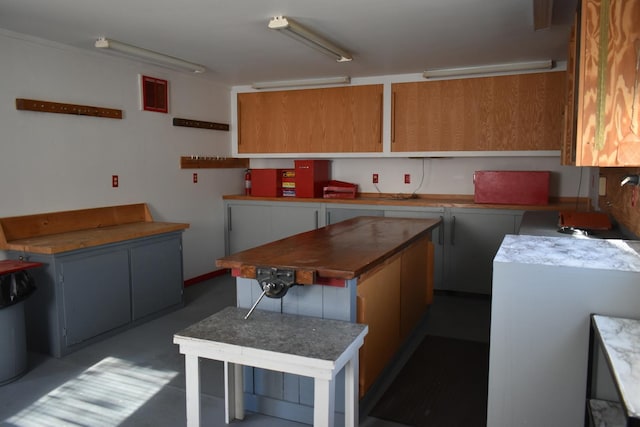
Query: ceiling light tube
{"x": 149, "y": 55}
{"x": 495, "y": 68}
{"x": 305, "y": 82}
{"x": 302, "y": 34}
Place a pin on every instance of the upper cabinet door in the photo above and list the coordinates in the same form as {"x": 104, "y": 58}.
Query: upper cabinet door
{"x": 504, "y": 113}
{"x": 605, "y": 127}
{"x": 332, "y": 120}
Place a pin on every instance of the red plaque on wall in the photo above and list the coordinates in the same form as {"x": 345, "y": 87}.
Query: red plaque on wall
{"x": 154, "y": 94}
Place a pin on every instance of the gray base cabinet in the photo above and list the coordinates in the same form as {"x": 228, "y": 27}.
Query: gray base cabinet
{"x": 84, "y": 295}
{"x": 473, "y": 237}
{"x": 98, "y": 306}
{"x": 336, "y": 214}
{"x": 156, "y": 276}
{"x": 250, "y": 224}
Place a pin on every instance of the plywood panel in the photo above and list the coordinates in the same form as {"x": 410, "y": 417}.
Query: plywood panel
{"x": 608, "y": 104}
{"x": 416, "y": 284}
{"x": 379, "y": 308}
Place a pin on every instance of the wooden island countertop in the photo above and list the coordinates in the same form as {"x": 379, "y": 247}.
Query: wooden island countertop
{"x": 344, "y": 250}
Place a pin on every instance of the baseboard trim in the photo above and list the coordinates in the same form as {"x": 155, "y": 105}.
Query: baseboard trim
{"x": 206, "y": 276}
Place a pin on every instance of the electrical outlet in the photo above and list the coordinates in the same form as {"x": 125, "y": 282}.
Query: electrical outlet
{"x": 195, "y": 178}
{"x": 602, "y": 186}
{"x": 114, "y": 181}
{"x": 407, "y": 178}
{"x": 374, "y": 179}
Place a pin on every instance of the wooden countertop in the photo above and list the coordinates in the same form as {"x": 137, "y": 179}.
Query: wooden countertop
{"x": 72, "y": 240}
{"x": 344, "y": 250}
{"x": 428, "y": 200}
{"x": 54, "y": 232}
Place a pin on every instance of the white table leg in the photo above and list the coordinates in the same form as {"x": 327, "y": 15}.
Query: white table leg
{"x": 239, "y": 387}
{"x": 324, "y": 402}
{"x": 233, "y": 396}
{"x": 351, "y": 414}
{"x": 192, "y": 389}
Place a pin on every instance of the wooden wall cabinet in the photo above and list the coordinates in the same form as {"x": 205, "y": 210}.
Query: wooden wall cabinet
{"x": 330, "y": 120}
{"x": 504, "y": 113}
{"x": 602, "y": 126}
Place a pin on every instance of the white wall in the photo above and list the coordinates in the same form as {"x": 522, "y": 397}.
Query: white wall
{"x": 52, "y": 162}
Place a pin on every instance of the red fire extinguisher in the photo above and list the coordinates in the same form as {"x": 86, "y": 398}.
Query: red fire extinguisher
{"x": 247, "y": 182}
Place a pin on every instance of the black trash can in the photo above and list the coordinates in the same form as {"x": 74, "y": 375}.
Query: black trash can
{"x": 15, "y": 288}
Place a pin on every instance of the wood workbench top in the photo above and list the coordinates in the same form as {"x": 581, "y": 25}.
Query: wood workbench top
{"x": 55, "y": 232}
{"x": 344, "y": 250}
{"x": 72, "y": 240}
{"x": 426, "y": 200}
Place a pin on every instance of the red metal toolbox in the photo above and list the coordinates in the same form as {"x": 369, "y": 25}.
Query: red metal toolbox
{"x": 311, "y": 177}
{"x": 511, "y": 187}
{"x": 340, "y": 190}
{"x": 266, "y": 182}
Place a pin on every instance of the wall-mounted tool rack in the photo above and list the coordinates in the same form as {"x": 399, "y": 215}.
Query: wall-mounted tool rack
{"x": 60, "y": 108}
{"x": 200, "y": 124}
{"x": 204, "y": 162}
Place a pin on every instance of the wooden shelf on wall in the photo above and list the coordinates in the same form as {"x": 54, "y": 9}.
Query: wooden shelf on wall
{"x": 200, "y": 124}
{"x": 203, "y": 162}
{"x": 60, "y": 108}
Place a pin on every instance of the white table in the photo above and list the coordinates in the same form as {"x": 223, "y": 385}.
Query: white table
{"x": 619, "y": 340}
{"x": 308, "y": 346}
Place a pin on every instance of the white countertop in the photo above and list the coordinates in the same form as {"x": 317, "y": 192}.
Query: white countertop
{"x": 603, "y": 254}
{"x": 620, "y": 341}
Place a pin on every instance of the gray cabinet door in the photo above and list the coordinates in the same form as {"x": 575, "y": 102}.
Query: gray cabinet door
{"x": 287, "y": 220}
{"x": 335, "y": 215}
{"x": 156, "y": 276}
{"x": 95, "y": 289}
{"x": 472, "y": 239}
{"x": 247, "y": 226}
{"x": 254, "y": 224}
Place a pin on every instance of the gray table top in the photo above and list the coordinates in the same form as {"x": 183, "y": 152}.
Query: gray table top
{"x": 312, "y": 337}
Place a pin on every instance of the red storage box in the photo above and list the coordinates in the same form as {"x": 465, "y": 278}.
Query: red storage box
{"x": 511, "y": 187}
{"x": 340, "y": 190}
{"x": 266, "y": 182}
{"x": 311, "y": 177}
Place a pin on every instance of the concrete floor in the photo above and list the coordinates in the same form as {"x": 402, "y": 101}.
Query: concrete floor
{"x": 136, "y": 378}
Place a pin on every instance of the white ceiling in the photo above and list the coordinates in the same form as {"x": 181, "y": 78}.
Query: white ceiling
{"x": 231, "y": 39}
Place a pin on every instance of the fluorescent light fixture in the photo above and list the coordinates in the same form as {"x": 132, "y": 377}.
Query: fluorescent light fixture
{"x": 302, "y": 34}
{"x": 305, "y": 82}
{"x": 148, "y": 55}
{"x": 495, "y": 68}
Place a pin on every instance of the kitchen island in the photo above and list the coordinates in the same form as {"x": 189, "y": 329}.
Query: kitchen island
{"x": 372, "y": 270}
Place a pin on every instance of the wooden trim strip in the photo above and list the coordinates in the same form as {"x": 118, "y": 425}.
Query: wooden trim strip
{"x": 200, "y": 124}
{"x": 60, "y": 108}
{"x": 207, "y": 276}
